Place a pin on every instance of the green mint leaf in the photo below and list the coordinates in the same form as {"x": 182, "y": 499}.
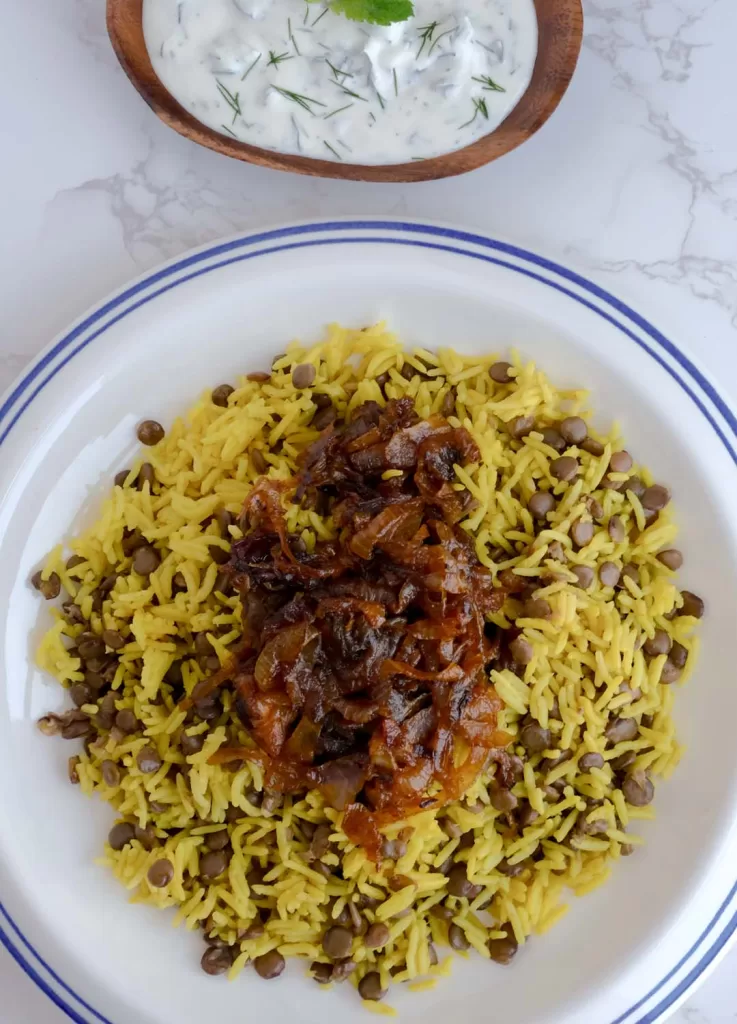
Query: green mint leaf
{"x": 375, "y": 12}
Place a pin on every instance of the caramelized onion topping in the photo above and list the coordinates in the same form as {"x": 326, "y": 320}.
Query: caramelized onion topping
{"x": 364, "y": 671}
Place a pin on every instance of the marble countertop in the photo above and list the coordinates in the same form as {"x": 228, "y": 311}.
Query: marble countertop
{"x": 633, "y": 181}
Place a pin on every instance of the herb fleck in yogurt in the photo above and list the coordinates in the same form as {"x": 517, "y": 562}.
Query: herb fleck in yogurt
{"x": 298, "y": 78}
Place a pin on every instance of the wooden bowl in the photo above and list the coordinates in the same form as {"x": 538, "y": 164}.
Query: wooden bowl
{"x": 560, "y": 29}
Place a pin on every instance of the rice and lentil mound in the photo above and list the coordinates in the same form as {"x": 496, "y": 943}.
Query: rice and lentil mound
{"x": 576, "y": 536}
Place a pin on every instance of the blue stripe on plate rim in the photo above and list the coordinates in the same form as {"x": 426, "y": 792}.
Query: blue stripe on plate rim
{"x": 713, "y": 940}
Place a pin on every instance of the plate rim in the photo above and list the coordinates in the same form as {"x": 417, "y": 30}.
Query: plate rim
{"x": 716, "y": 937}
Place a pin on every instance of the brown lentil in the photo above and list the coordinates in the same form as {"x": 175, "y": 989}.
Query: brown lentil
{"x": 620, "y": 729}
{"x": 359, "y": 924}
{"x": 502, "y": 799}
{"x": 671, "y": 558}
{"x": 271, "y": 802}
{"x": 624, "y": 760}
{"x": 595, "y": 507}
{"x": 635, "y": 485}
{"x": 692, "y": 605}
{"x": 73, "y": 613}
{"x": 460, "y": 885}
{"x": 534, "y": 738}
{"x": 303, "y": 375}
{"x": 191, "y": 744}
{"x": 451, "y": 828}
{"x": 457, "y": 938}
{"x": 521, "y": 426}
{"x": 217, "y": 840}
{"x": 678, "y": 655}
{"x": 50, "y": 725}
{"x": 610, "y": 484}
{"x": 106, "y": 715}
{"x": 554, "y": 438}
{"x": 499, "y": 372}
{"x": 148, "y": 760}
{"x": 377, "y": 936}
{"x": 76, "y": 728}
{"x": 320, "y": 842}
{"x": 615, "y": 528}
{"x": 565, "y": 468}
{"x": 80, "y": 694}
{"x": 536, "y": 608}
{"x": 269, "y": 965}
{"x": 521, "y": 650}
{"x": 146, "y": 475}
{"x": 557, "y": 552}
{"x": 655, "y": 498}
{"x": 216, "y": 960}
{"x": 467, "y": 840}
{"x": 502, "y": 950}
{"x": 659, "y": 643}
{"x": 337, "y": 942}
{"x": 449, "y": 403}
{"x": 631, "y": 572}
{"x": 638, "y": 789}
{"x": 574, "y": 429}
{"x": 120, "y": 835}
{"x": 670, "y": 672}
{"x": 213, "y": 864}
{"x": 620, "y": 462}
{"x": 89, "y": 646}
{"x": 113, "y": 639}
{"x": 50, "y": 588}
{"x": 150, "y": 432}
{"x": 209, "y": 708}
{"x": 584, "y": 574}
{"x": 370, "y": 987}
{"x": 224, "y": 520}
{"x": 322, "y": 973}
{"x": 582, "y": 532}
{"x": 110, "y": 773}
{"x": 221, "y": 394}
{"x": 591, "y": 760}
{"x": 393, "y": 849}
{"x": 222, "y": 584}
{"x": 259, "y": 462}
{"x": 609, "y": 574}
{"x": 527, "y": 815}
{"x": 160, "y": 873}
{"x": 146, "y": 560}
{"x": 126, "y": 721}
{"x": 540, "y": 504}
{"x": 593, "y": 447}
{"x": 509, "y": 870}
{"x": 219, "y": 555}
{"x": 323, "y": 418}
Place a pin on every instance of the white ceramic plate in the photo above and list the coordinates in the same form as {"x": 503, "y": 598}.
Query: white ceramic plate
{"x": 626, "y": 953}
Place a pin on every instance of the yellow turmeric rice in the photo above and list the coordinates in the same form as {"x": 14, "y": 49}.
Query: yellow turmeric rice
{"x": 603, "y": 620}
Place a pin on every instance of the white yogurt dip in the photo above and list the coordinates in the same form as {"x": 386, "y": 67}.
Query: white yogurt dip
{"x": 297, "y": 78}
